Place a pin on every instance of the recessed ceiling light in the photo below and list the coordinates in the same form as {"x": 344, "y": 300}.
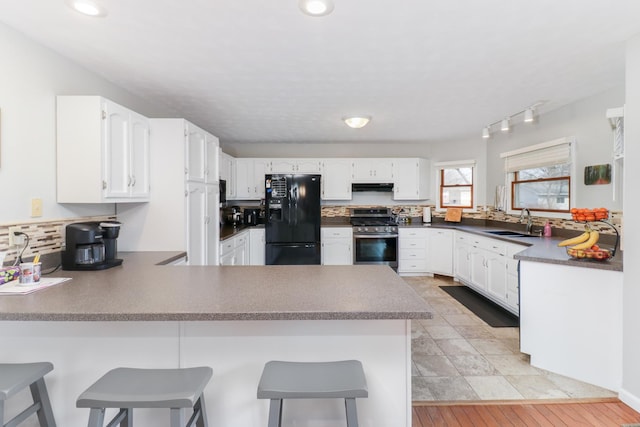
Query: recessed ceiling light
{"x": 316, "y": 7}
{"x": 356, "y": 122}
{"x": 87, "y": 7}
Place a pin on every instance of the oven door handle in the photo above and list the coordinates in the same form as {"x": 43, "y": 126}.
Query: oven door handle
{"x": 373, "y": 236}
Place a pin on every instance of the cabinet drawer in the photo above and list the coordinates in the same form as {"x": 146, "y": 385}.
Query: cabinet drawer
{"x": 412, "y": 243}
{"x": 240, "y": 240}
{"x": 494, "y": 246}
{"x": 412, "y": 265}
{"x": 227, "y": 246}
{"x": 412, "y": 233}
{"x": 417, "y": 253}
{"x": 336, "y": 233}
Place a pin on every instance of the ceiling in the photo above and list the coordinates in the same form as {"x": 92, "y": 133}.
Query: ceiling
{"x": 261, "y": 71}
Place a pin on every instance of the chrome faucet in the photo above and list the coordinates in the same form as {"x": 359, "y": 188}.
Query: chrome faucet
{"x": 529, "y": 221}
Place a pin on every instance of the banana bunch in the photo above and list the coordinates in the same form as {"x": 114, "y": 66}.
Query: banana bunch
{"x": 584, "y": 241}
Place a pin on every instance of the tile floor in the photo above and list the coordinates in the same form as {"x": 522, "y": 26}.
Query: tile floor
{"x": 457, "y": 356}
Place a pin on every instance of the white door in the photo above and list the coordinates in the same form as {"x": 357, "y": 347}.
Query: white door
{"x": 497, "y": 276}
{"x": 440, "y": 250}
{"x": 478, "y": 268}
{"x": 116, "y": 150}
{"x": 406, "y": 179}
{"x": 244, "y": 179}
{"x": 309, "y": 166}
{"x": 337, "y": 252}
{"x": 140, "y": 156}
{"x": 257, "y": 246}
{"x": 283, "y": 165}
{"x": 196, "y": 205}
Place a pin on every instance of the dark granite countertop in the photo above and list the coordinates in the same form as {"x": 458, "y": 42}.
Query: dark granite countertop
{"x": 143, "y": 290}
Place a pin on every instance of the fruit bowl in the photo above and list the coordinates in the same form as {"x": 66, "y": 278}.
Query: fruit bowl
{"x": 597, "y": 254}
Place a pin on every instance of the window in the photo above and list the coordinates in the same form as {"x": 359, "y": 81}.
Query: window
{"x": 540, "y": 176}
{"x": 456, "y": 184}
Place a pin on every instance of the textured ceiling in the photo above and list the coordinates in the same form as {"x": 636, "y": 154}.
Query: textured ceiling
{"x": 260, "y": 70}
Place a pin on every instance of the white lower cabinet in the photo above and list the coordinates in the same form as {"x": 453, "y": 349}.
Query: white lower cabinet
{"x": 256, "y": 246}
{"x": 440, "y": 251}
{"x": 412, "y": 251}
{"x": 337, "y": 245}
{"x": 487, "y": 266}
{"x": 235, "y": 250}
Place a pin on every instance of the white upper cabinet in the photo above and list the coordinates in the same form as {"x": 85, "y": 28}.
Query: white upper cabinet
{"x": 196, "y": 152}
{"x": 307, "y": 166}
{"x": 411, "y": 179}
{"x": 102, "y": 152}
{"x": 227, "y": 171}
{"x": 336, "y": 179}
{"x": 372, "y": 170}
{"x": 249, "y": 178}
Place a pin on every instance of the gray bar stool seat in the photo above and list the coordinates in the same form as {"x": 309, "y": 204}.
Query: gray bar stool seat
{"x": 343, "y": 379}
{"x": 128, "y": 388}
{"x": 16, "y": 376}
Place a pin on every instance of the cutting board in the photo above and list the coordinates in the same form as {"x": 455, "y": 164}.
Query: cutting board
{"x": 453, "y": 215}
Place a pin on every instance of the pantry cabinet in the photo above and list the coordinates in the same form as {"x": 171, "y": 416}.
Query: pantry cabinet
{"x": 102, "y": 152}
{"x": 337, "y": 245}
{"x": 336, "y": 179}
{"x": 185, "y": 200}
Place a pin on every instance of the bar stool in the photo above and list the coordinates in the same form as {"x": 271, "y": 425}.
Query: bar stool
{"x": 312, "y": 380}
{"x": 16, "y": 376}
{"x": 128, "y": 388}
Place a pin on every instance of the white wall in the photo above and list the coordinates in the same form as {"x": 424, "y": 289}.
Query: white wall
{"x": 630, "y": 393}
{"x": 30, "y": 78}
{"x": 586, "y": 121}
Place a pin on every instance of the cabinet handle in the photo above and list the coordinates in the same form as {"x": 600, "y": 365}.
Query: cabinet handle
{"x": 104, "y": 185}
{"x": 133, "y": 184}
{"x": 129, "y": 181}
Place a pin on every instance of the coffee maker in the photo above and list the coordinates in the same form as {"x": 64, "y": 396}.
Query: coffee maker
{"x": 91, "y": 246}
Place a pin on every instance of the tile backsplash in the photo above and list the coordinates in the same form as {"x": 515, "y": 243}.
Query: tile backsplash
{"x": 45, "y": 237}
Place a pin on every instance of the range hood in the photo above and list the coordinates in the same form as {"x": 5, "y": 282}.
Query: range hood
{"x": 373, "y": 186}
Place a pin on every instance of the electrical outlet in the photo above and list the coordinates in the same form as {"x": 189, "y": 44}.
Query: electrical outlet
{"x": 36, "y": 207}
{"x": 13, "y": 239}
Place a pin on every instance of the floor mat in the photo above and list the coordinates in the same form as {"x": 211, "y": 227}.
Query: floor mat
{"x": 494, "y": 315}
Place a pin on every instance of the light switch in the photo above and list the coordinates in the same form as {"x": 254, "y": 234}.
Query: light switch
{"x": 36, "y": 207}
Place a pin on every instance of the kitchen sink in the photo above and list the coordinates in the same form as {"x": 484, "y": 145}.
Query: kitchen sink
{"x": 508, "y": 233}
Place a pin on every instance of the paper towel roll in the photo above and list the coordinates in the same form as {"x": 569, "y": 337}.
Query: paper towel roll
{"x": 426, "y": 215}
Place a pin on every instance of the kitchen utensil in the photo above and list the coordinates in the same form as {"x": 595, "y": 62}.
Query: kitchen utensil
{"x": 453, "y": 215}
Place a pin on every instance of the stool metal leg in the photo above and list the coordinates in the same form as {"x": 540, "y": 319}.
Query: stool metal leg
{"x": 199, "y": 406}
{"x": 275, "y": 413}
{"x": 352, "y": 414}
{"x": 39, "y": 394}
{"x": 127, "y": 420}
{"x": 96, "y": 417}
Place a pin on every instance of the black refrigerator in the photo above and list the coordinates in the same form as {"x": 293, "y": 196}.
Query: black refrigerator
{"x": 292, "y": 204}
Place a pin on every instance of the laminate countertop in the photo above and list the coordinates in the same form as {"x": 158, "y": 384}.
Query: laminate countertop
{"x": 142, "y": 289}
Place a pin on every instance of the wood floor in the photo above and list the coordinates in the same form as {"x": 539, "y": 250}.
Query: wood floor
{"x": 592, "y": 412}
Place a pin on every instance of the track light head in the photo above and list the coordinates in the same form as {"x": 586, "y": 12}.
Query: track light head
{"x": 504, "y": 125}
{"x": 485, "y": 132}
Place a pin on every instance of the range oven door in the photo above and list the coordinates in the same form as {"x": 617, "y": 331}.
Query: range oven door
{"x": 376, "y": 249}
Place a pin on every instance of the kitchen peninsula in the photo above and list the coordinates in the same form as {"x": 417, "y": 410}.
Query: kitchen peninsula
{"x": 233, "y": 319}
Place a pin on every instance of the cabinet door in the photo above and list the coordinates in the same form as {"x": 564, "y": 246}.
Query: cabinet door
{"x": 411, "y": 179}
{"x": 139, "y": 156}
{"x": 373, "y": 170}
{"x": 257, "y": 246}
{"x": 244, "y": 178}
{"x": 478, "y": 268}
{"x": 260, "y": 169}
{"x": 308, "y": 166}
{"x": 212, "y": 224}
{"x": 462, "y": 262}
{"x": 196, "y": 205}
{"x": 283, "y": 165}
{"x": 116, "y": 150}
{"x": 336, "y": 179}
{"x": 440, "y": 249}
{"x": 497, "y": 275}
{"x": 196, "y": 143}
{"x": 336, "y": 252}
{"x": 212, "y": 173}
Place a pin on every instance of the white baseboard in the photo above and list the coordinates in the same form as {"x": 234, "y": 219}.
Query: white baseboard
{"x": 629, "y": 399}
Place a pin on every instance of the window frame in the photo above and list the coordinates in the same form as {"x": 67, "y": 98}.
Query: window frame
{"x": 440, "y": 167}
{"x": 515, "y": 181}
{"x": 510, "y": 177}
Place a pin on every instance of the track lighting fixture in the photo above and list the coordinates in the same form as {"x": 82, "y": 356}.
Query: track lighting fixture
{"x": 505, "y": 124}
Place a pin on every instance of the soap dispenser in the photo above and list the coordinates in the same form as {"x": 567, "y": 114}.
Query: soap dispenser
{"x": 547, "y": 229}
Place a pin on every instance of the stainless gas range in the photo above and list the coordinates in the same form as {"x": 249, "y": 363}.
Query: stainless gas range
{"x": 375, "y": 236}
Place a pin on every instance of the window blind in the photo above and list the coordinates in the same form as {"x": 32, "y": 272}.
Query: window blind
{"x": 546, "y": 154}
{"x": 455, "y": 164}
